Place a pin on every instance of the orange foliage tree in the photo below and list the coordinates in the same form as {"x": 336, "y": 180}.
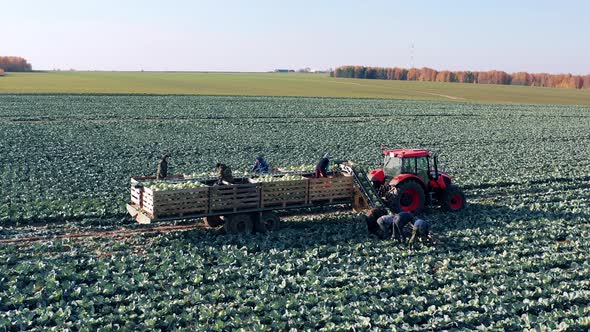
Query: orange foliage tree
{"x": 482, "y": 77}
{"x": 14, "y": 63}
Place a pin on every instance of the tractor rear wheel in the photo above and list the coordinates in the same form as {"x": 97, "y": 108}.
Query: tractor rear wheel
{"x": 407, "y": 197}
{"x": 238, "y": 223}
{"x": 267, "y": 222}
{"x": 213, "y": 221}
{"x": 453, "y": 199}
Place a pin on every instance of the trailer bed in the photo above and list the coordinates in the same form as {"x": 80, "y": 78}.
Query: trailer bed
{"x": 247, "y": 196}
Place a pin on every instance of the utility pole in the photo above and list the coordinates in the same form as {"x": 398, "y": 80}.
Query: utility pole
{"x": 412, "y": 55}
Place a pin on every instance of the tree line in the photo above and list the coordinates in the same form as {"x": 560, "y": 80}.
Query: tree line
{"x": 478, "y": 77}
{"x": 14, "y": 63}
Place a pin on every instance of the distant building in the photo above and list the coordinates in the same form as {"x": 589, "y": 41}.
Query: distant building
{"x": 284, "y": 70}
{"x": 311, "y": 70}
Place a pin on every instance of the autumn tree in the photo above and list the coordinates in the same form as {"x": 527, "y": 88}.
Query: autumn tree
{"x": 482, "y": 77}
{"x": 412, "y": 74}
{"x": 427, "y": 74}
{"x": 521, "y": 78}
{"x": 443, "y": 76}
{"x": 14, "y": 63}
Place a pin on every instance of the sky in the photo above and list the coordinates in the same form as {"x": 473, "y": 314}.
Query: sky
{"x": 183, "y": 35}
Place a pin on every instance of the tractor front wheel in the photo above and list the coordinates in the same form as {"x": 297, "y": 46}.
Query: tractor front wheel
{"x": 407, "y": 197}
{"x": 453, "y": 199}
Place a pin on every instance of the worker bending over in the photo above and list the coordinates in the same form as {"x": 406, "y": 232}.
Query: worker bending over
{"x": 321, "y": 169}
{"x": 371, "y": 219}
{"x": 420, "y": 231}
{"x": 387, "y": 226}
{"x": 400, "y": 221}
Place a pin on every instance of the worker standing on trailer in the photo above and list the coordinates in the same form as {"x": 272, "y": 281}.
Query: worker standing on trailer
{"x": 321, "y": 169}
{"x": 224, "y": 174}
{"x": 400, "y": 221}
{"x": 421, "y": 231}
{"x": 260, "y": 165}
{"x": 162, "y": 171}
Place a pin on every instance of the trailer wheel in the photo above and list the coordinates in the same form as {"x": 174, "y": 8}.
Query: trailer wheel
{"x": 239, "y": 223}
{"x": 267, "y": 222}
{"x": 214, "y": 221}
{"x": 453, "y": 199}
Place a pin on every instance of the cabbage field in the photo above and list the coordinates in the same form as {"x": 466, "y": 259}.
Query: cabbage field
{"x": 516, "y": 258}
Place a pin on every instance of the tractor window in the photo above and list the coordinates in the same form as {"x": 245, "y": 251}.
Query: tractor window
{"x": 409, "y": 165}
{"x": 392, "y": 166}
{"x": 422, "y": 167}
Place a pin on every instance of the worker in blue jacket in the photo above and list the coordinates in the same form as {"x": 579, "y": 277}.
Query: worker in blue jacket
{"x": 388, "y": 226}
{"x": 420, "y": 231}
{"x": 260, "y": 165}
{"x": 399, "y": 223}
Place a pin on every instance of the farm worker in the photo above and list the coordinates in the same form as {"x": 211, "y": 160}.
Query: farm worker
{"x": 371, "y": 219}
{"x": 163, "y": 167}
{"x": 224, "y": 174}
{"x": 321, "y": 169}
{"x": 260, "y": 166}
{"x": 384, "y": 227}
{"x": 400, "y": 221}
{"x": 420, "y": 230}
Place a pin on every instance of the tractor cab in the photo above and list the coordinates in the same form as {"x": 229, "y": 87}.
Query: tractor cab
{"x": 408, "y": 161}
{"x": 398, "y": 162}
{"x": 410, "y": 179}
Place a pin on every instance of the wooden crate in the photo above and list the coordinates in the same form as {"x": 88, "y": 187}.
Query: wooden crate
{"x": 331, "y": 190}
{"x": 137, "y": 196}
{"x": 284, "y": 193}
{"x": 178, "y": 201}
{"x": 234, "y": 197}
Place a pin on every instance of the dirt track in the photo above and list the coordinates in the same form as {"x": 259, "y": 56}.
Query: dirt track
{"x": 123, "y": 232}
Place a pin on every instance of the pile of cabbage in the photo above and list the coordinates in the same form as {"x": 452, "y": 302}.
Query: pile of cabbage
{"x": 271, "y": 178}
{"x": 161, "y": 185}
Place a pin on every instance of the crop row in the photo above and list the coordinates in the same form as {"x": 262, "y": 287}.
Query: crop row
{"x": 78, "y": 159}
{"x": 514, "y": 259}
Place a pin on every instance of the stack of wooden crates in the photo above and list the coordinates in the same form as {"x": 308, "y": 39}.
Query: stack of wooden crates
{"x": 247, "y": 197}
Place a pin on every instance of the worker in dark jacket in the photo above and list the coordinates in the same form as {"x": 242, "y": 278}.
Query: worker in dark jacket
{"x": 224, "y": 174}
{"x": 371, "y": 219}
{"x": 421, "y": 231}
{"x": 400, "y": 221}
{"x": 163, "y": 167}
{"x": 321, "y": 169}
{"x": 260, "y": 165}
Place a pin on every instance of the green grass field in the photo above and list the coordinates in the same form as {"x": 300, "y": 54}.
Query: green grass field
{"x": 515, "y": 259}
{"x": 271, "y": 84}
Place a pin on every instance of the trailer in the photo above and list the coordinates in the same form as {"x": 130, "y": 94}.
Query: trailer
{"x": 246, "y": 205}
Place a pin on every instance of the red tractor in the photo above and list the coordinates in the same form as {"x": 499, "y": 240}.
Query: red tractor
{"x": 410, "y": 179}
